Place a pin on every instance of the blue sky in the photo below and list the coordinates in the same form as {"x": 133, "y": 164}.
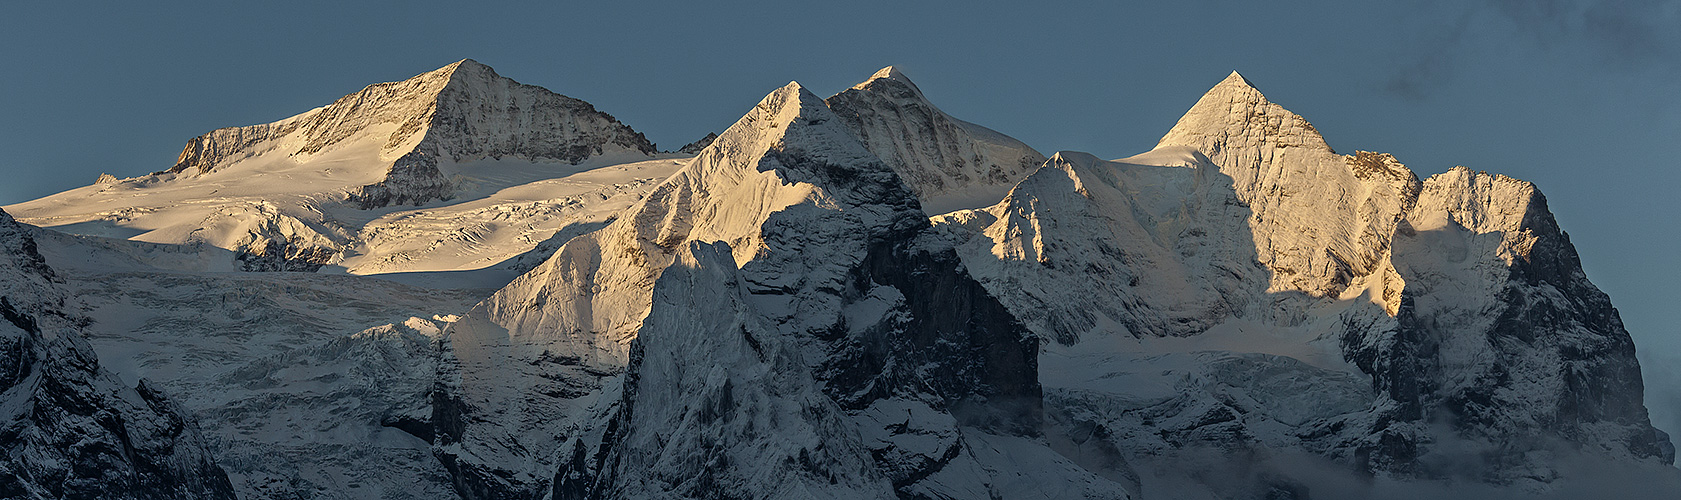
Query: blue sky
{"x": 1582, "y": 97}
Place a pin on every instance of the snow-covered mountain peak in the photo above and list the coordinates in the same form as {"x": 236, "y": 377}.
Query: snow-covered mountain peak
{"x": 468, "y": 66}
{"x": 889, "y": 73}
{"x": 788, "y": 150}
{"x": 1237, "y": 79}
{"x": 327, "y": 187}
{"x": 1234, "y": 114}
{"x": 464, "y": 111}
{"x": 1079, "y": 157}
{"x": 950, "y": 164}
{"x": 463, "y": 73}
{"x": 803, "y": 141}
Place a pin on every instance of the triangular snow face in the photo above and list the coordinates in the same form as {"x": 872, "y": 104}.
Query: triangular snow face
{"x": 950, "y": 164}
{"x": 827, "y": 276}
{"x": 463, "y": 111}
{"x": 1234, "y": 115}
{"x": 1320, "y": 220}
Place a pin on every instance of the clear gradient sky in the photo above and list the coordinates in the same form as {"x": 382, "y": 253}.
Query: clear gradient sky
{"x": 1582, "y": 97}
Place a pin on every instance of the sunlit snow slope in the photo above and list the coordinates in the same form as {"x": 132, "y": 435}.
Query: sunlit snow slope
{"x": 949, "y": 163}
{"x": 458, "y": 168}
{"x": 1243, "y": 288}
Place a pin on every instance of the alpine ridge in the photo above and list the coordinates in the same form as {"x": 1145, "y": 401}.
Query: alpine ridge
{"x": 460, "y": 286}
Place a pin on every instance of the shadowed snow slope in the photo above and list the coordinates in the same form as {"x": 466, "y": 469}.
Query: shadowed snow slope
{"x": 783, "y": 279}
{"x": 950, "y": 164}
{"x": 323, "y": 187}
{"x": 1423, "y": 314}
{"x": 68, "y": 428}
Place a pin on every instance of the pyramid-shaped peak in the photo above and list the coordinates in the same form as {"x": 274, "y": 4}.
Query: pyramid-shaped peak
{"x": 1235, "y": 114}
{"x": 469, "y": 70}
{"x": 1234, "y": 88}
{"x": 794, "y": 132}
{"x": 792, "y": 97}
{"x": 1237, "y": 79}
{"x": 464, "y": 66}
{"x": 454, "y": 74}
{"x": 888, "y": 74}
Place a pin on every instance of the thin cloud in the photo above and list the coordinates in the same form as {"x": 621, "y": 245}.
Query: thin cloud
{"x": 1627, "y": 35}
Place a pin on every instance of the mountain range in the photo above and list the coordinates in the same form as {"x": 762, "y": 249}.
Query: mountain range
{"x": 460, "y": 286}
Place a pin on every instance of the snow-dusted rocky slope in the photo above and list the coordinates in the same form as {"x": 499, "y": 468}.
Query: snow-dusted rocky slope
{"x": 773, "y": 321}
{"x": 488, "y": 157}
{"x": 1244, "y": 289}
{"x": 949, "y": 163}
{"x": 68, "y": 427}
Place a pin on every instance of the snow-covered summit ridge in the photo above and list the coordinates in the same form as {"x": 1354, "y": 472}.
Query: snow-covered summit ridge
{"x": 949, "y": 163}
{"x": 466, "y": 109}
{"x": 888, "y": 73}
{"x": 396, "y": 133}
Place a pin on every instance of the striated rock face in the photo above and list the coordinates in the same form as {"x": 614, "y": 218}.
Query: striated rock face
{"x": 949, "y": 163}
{"x": 785, "y": 280}
{"x": 69, "y": 429}
{"x": 1458, "y": 298}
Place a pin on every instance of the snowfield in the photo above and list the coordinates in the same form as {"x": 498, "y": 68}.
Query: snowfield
{"x": 460, "y": 286}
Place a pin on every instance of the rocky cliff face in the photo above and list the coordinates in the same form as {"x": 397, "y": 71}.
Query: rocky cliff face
{"x": 69, "y": 429}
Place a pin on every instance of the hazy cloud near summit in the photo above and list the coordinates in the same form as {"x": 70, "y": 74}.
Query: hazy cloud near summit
{"x": 1618, "y": 35}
